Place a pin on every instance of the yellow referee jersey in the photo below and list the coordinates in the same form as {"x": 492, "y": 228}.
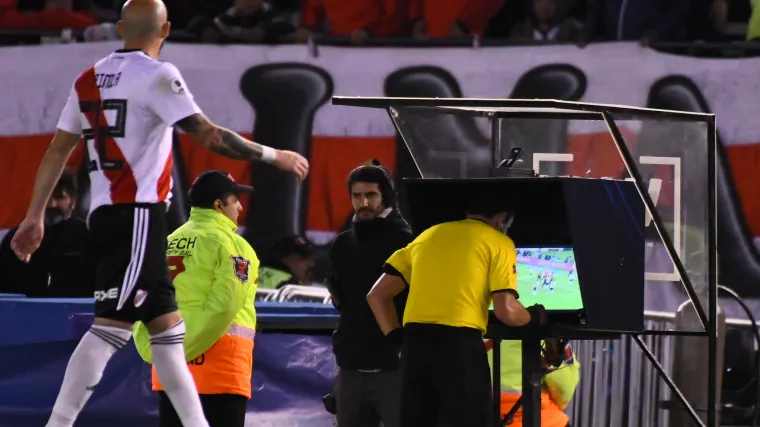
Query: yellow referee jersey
{"x": 452, "y": 269}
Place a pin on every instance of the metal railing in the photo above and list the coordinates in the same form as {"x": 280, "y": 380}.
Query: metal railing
{"x": 295, "y": 293}
{"x": 619, "y": 387}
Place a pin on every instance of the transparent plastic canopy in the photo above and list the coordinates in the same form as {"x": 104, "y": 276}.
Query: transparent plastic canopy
{"x": 672, "y": 151}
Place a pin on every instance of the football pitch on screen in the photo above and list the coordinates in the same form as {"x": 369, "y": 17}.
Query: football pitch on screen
{"x": 562, "y": 292}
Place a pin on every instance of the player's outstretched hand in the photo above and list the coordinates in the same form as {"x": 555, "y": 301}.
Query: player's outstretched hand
{"x": 292, "y": 162}
{"x": 27, "y": 239}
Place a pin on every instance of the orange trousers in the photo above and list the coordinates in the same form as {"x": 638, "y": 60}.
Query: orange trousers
{"x": 551, "y": 414}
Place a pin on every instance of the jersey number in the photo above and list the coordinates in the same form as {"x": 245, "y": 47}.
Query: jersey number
{"x": 100, "y": 132}
{"x": 176, "y": 265}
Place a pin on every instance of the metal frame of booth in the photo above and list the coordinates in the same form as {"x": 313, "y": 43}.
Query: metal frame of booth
{"x": 544, "y": 109}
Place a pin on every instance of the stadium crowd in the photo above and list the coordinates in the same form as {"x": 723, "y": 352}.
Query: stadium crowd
{"x": 300, "y": 21}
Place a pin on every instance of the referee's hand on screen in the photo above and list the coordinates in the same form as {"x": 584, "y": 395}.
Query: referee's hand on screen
{"x": 292, "y": 162}
{"x": 27, "y": 239}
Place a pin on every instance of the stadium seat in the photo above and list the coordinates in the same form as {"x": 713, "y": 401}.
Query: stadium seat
{"x": 285, "y": 97}
{"x": 555, "y": 81}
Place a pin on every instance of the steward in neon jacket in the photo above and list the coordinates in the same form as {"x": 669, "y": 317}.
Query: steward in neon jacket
{"x": 557, "y": 388}
{"x": 214, "y": 272}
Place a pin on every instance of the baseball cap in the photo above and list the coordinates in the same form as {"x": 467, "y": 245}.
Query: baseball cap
{"x": 289, "y": 245}
{"x": 214, "y": 185}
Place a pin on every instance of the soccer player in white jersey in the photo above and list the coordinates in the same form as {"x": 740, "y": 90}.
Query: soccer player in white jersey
{"x": 124, "y": 107}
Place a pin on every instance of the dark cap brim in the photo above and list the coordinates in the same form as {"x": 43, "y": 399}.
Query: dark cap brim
{"x": 243, "y": 188}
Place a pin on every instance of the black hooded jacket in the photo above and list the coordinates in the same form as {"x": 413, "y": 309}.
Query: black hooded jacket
{"x": 357, "y": 257}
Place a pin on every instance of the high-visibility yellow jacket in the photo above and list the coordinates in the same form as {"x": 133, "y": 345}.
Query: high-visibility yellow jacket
{"x": 214, "y": 272}
{"x": 558, "y": 386}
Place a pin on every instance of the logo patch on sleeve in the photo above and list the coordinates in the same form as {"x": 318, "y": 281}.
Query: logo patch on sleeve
{"x": 176, "y": 87}
{"x": 240, "y": 265}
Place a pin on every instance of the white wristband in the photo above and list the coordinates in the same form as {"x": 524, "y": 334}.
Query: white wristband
{"x": 268, "y": 154}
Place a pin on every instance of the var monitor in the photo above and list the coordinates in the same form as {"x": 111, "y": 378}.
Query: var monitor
{"x": 547, "y": 276}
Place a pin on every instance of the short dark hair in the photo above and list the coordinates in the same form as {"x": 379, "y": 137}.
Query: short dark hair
{"x": 67, "y": 184}
{"x": 210, "y": 204}
{"x": 486, "y": 204}
{"x": 374, "y": 172}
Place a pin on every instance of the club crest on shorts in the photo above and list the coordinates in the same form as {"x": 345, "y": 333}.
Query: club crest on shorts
{"x": 240, "y": 265}
{"x": 140, "y": 296}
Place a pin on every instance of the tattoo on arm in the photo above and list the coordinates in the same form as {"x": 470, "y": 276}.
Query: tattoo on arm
{"x": 220, "y": 140}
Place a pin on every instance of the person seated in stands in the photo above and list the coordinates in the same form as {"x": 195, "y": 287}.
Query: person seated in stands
{"x": 48, "y": 15}
{"x": 548, "y": 23}
{"x": 644, "y": 20}
{"x": 453, "y": 18}
{"x": 290, "y": 263}
{"x": 355, "y": 19}
{"x": 250, "y": 21}
{"x": 59, "y": 268}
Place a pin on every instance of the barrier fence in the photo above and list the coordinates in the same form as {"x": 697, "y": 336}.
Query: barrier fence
{"x": 618, "y": 386}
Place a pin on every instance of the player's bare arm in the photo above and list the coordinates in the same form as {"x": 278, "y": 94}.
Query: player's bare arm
{"x": 30, "y": 232}
{"x": 230, "y": 144}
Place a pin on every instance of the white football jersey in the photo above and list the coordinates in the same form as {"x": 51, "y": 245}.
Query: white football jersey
{"x": 124, "y": 107}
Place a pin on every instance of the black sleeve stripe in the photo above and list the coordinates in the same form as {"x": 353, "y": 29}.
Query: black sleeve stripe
{"x": 511, "y": 291}
{"x": 391, "y": 270}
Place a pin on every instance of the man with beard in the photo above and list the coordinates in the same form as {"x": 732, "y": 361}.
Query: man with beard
{"x": 368, "y": 385}
{"x": 59, "y": 268}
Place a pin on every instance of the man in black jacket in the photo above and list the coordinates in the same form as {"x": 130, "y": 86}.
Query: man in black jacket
{"x": 59, "y": 268}
{"x": 367, "y": 390}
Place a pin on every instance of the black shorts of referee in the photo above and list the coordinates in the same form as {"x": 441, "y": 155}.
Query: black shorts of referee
{"x": 221, "y": 410}
{"x": 446, "y": 377}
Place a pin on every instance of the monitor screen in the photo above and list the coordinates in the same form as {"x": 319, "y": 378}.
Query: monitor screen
{"x": 547, "y": 276}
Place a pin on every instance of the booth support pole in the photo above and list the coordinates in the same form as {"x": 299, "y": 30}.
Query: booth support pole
{"x": 496, "y": 141}
{"x": 531, "y": 381}
{"x": 496, "y": 368}
{"x": 712, "y": 278}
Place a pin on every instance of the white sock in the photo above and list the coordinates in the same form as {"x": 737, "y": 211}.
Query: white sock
{"x": 172, "y": 371}
{"x": 84, "y": 371}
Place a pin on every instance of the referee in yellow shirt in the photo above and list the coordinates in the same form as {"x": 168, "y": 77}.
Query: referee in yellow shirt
{"x": 453, "y": 270}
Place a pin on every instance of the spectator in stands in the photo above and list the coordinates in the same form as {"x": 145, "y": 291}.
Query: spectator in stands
{"x": 59, "y": 268}
{"x": 356, "y": 19}
{"x": 55, "y": 15}
{"x": 250, "y": 21}
{"x": 290, "y": 263}
{"x": 707, "y": 20}
{"x": 368, "y": 386}
{"x": 453, "y": 18}
{"x": 643, "y": 20}
{"x": 548, "y": 22}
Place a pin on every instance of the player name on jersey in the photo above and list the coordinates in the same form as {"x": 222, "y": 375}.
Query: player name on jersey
{"x": 107, "y": 81}
{"x": 124, "y": 107}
